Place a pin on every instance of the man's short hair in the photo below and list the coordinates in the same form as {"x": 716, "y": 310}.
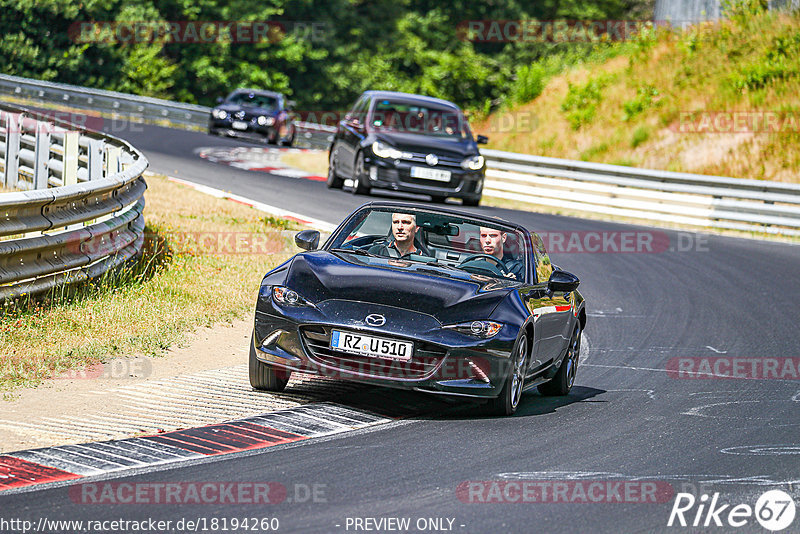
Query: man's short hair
{"x": 412, "y": 215}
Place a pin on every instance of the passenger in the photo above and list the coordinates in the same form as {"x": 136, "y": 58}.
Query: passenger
{"x": 492, "y": 243}
{"x": 404, "y": 231}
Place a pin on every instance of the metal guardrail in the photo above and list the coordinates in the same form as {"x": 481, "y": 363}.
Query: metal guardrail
{"x": 139, "y": 107}
{"x": 77, "y": 211}
{"x": 680, "y": 198}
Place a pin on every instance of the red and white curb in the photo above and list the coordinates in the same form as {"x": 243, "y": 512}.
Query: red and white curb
{"x": 257, "y": 159}
{"x": 19, "y": 470}
{"x": 266, "y": 208}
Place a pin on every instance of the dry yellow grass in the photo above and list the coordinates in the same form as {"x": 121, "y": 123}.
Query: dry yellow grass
{"x": 749, "y": 65}
{"x": 210, "y": 255}
{"x": 313, "y": 161}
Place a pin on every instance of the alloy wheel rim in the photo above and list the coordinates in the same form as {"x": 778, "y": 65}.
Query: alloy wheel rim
{"x": 572, "y": 361}
{"x": 518, "y": 378}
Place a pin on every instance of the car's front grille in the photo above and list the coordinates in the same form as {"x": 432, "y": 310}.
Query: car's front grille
{"x": 418, "y": 158}
{"x": 426, "y": 358}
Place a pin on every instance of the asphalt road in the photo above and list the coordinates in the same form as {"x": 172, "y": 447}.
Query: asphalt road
{"x": 627, "y": 419}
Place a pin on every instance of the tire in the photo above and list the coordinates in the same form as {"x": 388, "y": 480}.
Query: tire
{"x": 507, "y": 402}
{"x": 438, "y": 199}
{"x": 213, "y": 131}
{"x": 333, "y": 181}
{"x": 561, "y": 384}
{"x": 264, "y": 377}
{"x": 474, "y": 201}
{"x": 290, "y": 140}
{"x": 359, "y": 177}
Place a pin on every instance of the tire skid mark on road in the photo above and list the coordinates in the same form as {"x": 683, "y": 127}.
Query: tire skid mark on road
{"x": 23, "y": 469}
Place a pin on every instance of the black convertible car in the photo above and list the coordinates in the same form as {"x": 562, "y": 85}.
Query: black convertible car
{"x": 410, "y": 143}
{"x": 253, "y": 113}
{"x": 434, "y": 300}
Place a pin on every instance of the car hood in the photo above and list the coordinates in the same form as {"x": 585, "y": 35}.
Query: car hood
{"x": 425, "y": 144}
{"x": 320, "y": 276}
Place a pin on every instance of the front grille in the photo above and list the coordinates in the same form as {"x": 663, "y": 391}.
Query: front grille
{"x": 426, "y": 358}
{"x": 418, "y": 158}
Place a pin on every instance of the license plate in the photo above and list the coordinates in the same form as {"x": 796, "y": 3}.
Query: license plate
{"x": 430, "y": 174}
{"x": 376, "y": 347}
{"x": 239, "y": 125}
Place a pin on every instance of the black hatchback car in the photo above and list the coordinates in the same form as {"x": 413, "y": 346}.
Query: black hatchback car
{"x": 253, "y": 113}
{"x": 410, "y": 143}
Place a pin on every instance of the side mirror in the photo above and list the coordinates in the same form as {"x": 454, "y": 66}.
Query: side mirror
{"x": 307, "y": 239}
{"x": 562, "y": 281}
{"x": 481, "y": 139}
{"x": 219, "y": 100}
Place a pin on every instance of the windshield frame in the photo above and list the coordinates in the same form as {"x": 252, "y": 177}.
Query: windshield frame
{"x": 336, "y": 239}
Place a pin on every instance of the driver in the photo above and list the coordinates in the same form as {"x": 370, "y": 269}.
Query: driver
{"x": 404, "y": 230}
{"x": 492, "y": 242}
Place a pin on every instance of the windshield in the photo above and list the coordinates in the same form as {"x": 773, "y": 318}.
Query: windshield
{"x": 437, "y": 239}
{"x": 406, "y": 117}
{"x": 254, "y": 99}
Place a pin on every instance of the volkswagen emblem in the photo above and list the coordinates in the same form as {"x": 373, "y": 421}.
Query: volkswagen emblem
{"x": 239, "y": 114}
{"x": 375, "y": 319}
{"x": 431, "y": 159}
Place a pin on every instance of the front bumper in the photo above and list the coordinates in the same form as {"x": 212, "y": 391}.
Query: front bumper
{"x": 444, "y": 361}
{"x": 252, "y": 127}
{"x": 396, "y": 175}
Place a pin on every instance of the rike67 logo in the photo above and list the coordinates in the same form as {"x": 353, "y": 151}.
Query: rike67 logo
{"x": 774, "y": 510}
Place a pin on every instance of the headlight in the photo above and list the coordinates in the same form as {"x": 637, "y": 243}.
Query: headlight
{"x": 288, "y": 297}
{"x": 382, "y": 150}
{"x": 219, "y": 113}
{"x": 266, "y": 121}
{"x": 481, "y": 329}
{"x": 474, "y": 163}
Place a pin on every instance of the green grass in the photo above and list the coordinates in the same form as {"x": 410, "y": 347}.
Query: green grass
{"x": 191, "y": 274}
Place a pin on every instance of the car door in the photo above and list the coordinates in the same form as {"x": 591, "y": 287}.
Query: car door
{"x": 352, "y": 128}
{"x": 551, "y": 311}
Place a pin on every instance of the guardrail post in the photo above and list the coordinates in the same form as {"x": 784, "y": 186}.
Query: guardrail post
{"x": 41, "y": 157}
{"x": 112, "y": 160}
{"x": 71, "y": 157}
{"x": 13, "y": 124}
{"x": 95, "y": 154}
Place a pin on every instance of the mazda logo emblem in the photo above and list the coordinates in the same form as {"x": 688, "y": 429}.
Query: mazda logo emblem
{"x": 375, "y": 319}
{"x": 431, "y": 159}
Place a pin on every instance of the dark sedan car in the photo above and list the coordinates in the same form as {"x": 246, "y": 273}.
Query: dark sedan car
{"x": 410, "y": 143}
{"x": 252, "y": 113}
{"x": 433, "y": 300}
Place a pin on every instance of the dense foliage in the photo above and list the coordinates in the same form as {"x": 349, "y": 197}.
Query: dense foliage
{"x": 408, "y": 45}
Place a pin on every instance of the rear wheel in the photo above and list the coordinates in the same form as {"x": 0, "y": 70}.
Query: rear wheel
{"x": 360, "y": 186}
{"x": 289, "y": 141}
{"x": 263, "y": 376}
{"x": 334, "y": 181}
{"x": 438, "y": 199}
{"x": 474, "y": 201}
{"x": 508, "y": 400}
{"x": 561, "y": 384}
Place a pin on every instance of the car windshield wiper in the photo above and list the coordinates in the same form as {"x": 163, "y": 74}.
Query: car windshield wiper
{"x": 357, "y": 251}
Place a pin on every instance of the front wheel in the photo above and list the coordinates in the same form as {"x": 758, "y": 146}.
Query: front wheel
{"x": 561, "y": 384}
{"x": 263, "y": 376}
{"x": 508, "y": 400}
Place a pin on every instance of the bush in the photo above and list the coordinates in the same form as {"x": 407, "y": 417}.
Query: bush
{"x": 580, "y": 104}
{"x": 640, "y": 135}
{"x": 529, "y": 83}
